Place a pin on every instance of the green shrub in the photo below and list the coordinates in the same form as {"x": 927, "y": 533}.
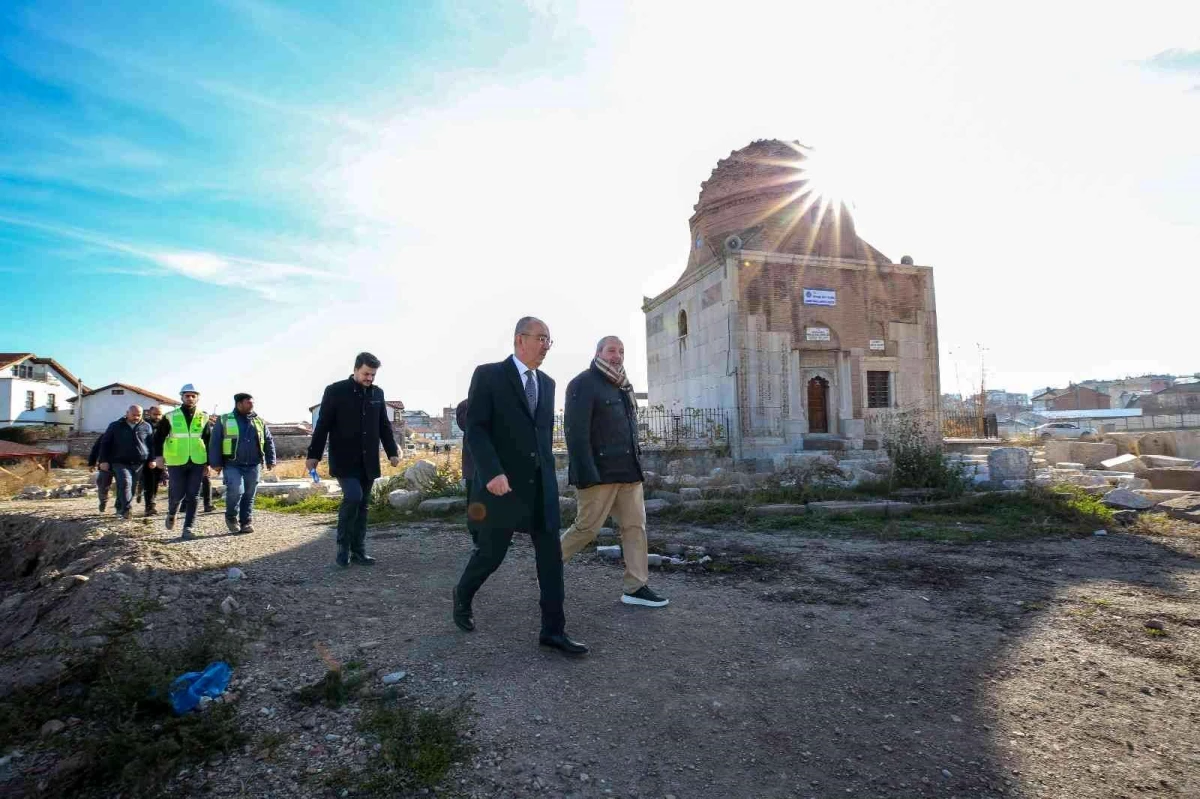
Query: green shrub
{"x": 914, "y": 446}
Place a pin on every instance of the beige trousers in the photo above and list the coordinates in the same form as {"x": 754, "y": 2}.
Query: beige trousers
{"x": 626, "y": 504}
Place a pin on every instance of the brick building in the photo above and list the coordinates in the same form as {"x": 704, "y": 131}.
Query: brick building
{"x": 787, "y": 318}
{"x": 1073, "y": 398}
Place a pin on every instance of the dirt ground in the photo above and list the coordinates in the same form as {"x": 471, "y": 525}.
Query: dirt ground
{"x": 795, "y": 667}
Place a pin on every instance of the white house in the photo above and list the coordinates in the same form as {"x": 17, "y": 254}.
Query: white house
{"x": 34, "y": 391}
{"x": 104, "y": 405}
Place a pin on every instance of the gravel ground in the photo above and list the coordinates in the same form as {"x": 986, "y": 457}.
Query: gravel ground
{"x": 800, "y": 668}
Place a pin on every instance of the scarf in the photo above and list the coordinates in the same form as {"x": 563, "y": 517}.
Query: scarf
{"x": 616, "y": 376}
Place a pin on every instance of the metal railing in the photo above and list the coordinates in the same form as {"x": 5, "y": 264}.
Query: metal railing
{"x": 671, "y": 427}
{"x": 969, "y": 424}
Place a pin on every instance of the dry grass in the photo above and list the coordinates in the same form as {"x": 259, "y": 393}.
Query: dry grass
{"x": 15, "y": 476}
{"x": 294, "y": 469}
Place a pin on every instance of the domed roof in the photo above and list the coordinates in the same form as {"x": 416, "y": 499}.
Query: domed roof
{"x": 762, "y": 195}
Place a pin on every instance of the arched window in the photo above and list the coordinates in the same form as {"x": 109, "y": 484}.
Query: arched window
{"x": 682, "y": 323}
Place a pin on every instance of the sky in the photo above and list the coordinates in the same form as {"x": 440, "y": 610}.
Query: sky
{"x": 242, "y": 194}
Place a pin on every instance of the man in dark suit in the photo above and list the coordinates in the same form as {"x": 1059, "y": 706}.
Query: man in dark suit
{"x": 510, "y": 423}
{"x": 353, "y": 419}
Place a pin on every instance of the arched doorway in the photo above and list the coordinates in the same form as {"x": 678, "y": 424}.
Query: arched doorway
{"x": 818, "y": 405}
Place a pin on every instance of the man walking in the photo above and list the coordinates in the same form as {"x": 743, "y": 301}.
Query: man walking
{"x": 510, "y": 424}
{"x": 180, "y": 444}
{"x": 103, "y": 478}
{"x": 353, "y": 418}
{"x": 124, "y": 449}
{"x": 605, "y": 466}
{"x": 152, "y": 476}
{"x": 240, "y": 444}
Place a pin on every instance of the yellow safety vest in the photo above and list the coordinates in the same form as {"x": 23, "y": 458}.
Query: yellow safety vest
{"x": 185, "y": 444}
{"x": 229, "y": 440}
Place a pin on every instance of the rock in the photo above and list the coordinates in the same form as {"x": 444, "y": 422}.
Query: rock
{"x": 654, "y": 560}
{"x": 1009, "y": 463}
{"x": 1100, "y": 532}
{"x": 1071, "y": 466}
{"x": 1123, "y": 463}
{"x": 229, "y": 606}
{"x": 1173, "y": 478}
{"x": 1123, "y": 498}
{"x": 779, "y": 509}
{"x": 566, "y": 505}
{"x": 52, "y": 727}
{"x": 654, "y": 506}
{"x": 1185, "y": 508}
{"x": 234, "y": 574}
{"x": 674, "y": 468}
{"x": 394, "y": 677}
{"x": 12, "y": 603}
{"x": 443, "y": 505}
{"x": 419, "y": 476}
{"x": 651, "y": 480}
{"x": 74, "y": 581}
{"x": 877, "y": 508}
{"x": 667, "y": 496}
{"x": 1167, "y": 462}
{"x": 282, "y": 488}
{"x": 403, "y": 499}
{"x": 1132, "y": 483}
{"x": 1156, "y": 624}
{"x": 1160, "y": 495}
{"x": 567, "y": 770}
{"x": 611, "y": 553}
{"x": 1088, "y": 453}
{"x": 365, "y": 645}
{"x": 689, "y": 494}
{"x": 1125, "y": 517}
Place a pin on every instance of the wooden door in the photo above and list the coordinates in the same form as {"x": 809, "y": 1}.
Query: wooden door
{"x": 818, "y": 402}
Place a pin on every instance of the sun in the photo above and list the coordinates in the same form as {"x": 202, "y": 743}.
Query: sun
{"x": 830, "y": 174}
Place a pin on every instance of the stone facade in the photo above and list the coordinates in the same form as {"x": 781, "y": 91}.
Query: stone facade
{"x": 787, "y": 318}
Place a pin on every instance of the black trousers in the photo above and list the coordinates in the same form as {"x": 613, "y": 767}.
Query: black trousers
{"x": 491, "y": 545}
{"x": 150, "y": 481}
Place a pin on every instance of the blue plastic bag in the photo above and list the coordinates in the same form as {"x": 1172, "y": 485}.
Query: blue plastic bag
{"x": 313, "y": 474}
{"x": 186, "y": 689}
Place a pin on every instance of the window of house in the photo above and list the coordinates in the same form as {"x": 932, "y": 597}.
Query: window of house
{"x": 682, "y": 324}
{"x": 116, "y": 391}
{"x": 51, "y": 402}
{"x": 29, "y": 400}
{"x": 23, "y": 371}
{"x": 879, "y": 394}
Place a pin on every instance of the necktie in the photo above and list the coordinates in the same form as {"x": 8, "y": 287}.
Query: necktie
{"x": 530, "y": 390}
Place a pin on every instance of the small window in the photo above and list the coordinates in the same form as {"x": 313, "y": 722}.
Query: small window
{"x": 29, "y": 400}
{"x": 117, "y": 391}
{"x": 51, "y": 403}
{"x": 879, "y": 393}
{"x": 682, "y": 324}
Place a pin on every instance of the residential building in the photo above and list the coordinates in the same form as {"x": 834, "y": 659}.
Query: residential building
{"x": 102, "y": 406}
{"x": 34, "y": 391}
{"x": 1076, "y": 397}
{"x": 1179, "y": 398}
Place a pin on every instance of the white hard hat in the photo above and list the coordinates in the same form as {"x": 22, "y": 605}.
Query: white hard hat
{"x": 188, "y": 388}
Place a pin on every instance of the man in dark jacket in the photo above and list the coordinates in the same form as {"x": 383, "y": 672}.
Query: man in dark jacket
{"x": 152, "y": 476}
{"x": 605, "y": 465}
{"x": 103, "y": 479}
{"x": 124, "y": 449}
{"x": 510, "y": 424}
{"x": 353, "y": 418}
{"x": 468, "y": 467}
{"x": 240, "y": 445}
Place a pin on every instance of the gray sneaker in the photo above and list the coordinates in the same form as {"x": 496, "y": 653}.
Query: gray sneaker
{"x": 644, "y": 597}
{"x": 231, "y": 525}
{"x": 188, "y": 535}
{"x": 170, "y": 521}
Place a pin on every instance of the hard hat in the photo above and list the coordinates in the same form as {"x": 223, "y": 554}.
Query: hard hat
{"x": 188, "y": 388}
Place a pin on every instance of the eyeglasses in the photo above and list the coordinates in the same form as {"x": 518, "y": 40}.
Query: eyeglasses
{"x": 549, "y": 342}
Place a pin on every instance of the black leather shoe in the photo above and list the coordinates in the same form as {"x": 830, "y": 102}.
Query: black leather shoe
{"x": 563, "y": 644}
{"x": 343, "y": 558}
{"x": 362, "y": 560}
{"x": 463, "y": 617}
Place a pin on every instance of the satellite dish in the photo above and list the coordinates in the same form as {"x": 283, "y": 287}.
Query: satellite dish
{"x": 733, "y": 243}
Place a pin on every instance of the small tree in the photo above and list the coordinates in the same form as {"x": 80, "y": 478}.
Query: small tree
{"x": 913, "y": 444}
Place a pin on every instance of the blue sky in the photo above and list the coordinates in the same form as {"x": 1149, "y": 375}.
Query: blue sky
{"x": 244, "y": 193}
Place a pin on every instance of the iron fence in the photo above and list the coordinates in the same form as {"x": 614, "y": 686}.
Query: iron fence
{"x": 671, "y": 427}
{"x": 969, "y": 424}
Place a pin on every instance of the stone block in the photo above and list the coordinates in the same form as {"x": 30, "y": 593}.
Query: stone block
{"x": 282, "y": 488}
{"x": 443, "y": 505}
{"x": 567, "y": 505}
{"x": 418, "y": 476}
{"x": 1160, "y": 495}
{"x": 777, "y": 510}
{"x": 1124, "y": 463}
{"x": 1167, "y": 462}
{"x": 1177, "y": 479}
{"x": 1009, "y": 463}
{"x": 403, "y": 499}
{"x": 654, "y": 506}
{"x": 880, "y": 508}
{"x": 853, "y": 428}
{"x": 1126, "y": 500}
{"x": 1133, "y": 483}
{"x": 689, "y": 494}
{"x": 674, "y": 499}
{"x": 1090, "y": 454}
{"x": 1185, "y": 508}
